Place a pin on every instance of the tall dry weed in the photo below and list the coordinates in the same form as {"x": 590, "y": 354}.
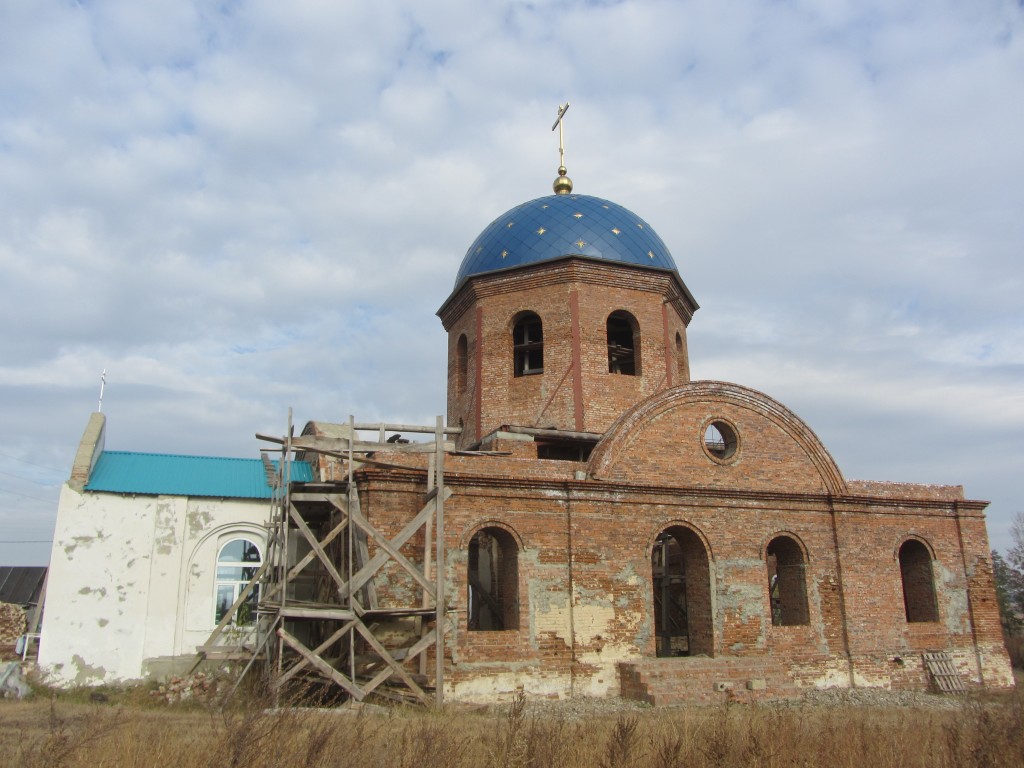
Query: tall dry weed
{"x": 984, "y": 736}
{"x": 668, "y": 751}
{"x": 433, "y": 739}
{"x": 983, "y": 732}
{"x": 62, "y": 740}
{"x": 622, "y": 749}
{"x": 512, "y": 745}
{"x": 764, "y": 737}
{"x": 551, "y": 742}
{"x": 715, "y": 742}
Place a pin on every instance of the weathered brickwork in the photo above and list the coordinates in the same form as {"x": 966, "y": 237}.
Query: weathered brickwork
{"x": 585, "y": 588}
{"x": 573, "y": 299}
{"x": 678, "y": 562}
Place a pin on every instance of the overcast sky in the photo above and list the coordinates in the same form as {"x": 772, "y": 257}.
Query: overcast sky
{"x": 243, "y": 206}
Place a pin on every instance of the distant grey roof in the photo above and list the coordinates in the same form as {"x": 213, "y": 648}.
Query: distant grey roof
{"x": 21, "y": 585}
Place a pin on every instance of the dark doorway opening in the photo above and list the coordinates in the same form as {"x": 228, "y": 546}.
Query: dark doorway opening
{"x": 787, "y": 582}
{"x": 493, "y": 581}
{"x": 681, "y": 579}
{"x": 919, "y": 602}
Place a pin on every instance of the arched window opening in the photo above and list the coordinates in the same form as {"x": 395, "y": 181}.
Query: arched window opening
{"x": 918, "y": 583}
{"x": 681, "y": 580}
{"x": 682, "y": 369}
{"x": 237, "y": 563}
{"x": 528, "y": 345}
{"x": 493, "y": 598}
{"x": 623, "y": 344}
{"x": 787, "y": 582}
{"x": 461, "y": 364}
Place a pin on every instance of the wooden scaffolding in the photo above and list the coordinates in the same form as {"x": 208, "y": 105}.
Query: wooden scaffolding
{"x": 318, "y": 618}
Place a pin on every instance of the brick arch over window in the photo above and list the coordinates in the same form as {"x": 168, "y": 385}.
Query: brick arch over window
{"x": 527, "y": 344}
{"x": 492, "y": 579}
{"x": 786, "y": 565}
{"x": 681, "y": 592}
{"x": 622, "y": 451}
{"x": 623, "y": 334}
{"x": 918, "y": 581}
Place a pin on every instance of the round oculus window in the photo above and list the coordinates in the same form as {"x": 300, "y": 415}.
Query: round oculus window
{"x": 720, "y": 440}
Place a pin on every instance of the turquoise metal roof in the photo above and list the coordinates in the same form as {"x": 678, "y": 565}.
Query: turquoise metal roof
{"x": 160, "y": 474}
{"x": 564, "y": 225}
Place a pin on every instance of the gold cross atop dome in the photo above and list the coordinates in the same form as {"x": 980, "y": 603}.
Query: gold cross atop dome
{"x": 563, "y": 184}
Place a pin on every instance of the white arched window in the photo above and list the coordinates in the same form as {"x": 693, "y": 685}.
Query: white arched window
{"x": 237, "y": 563}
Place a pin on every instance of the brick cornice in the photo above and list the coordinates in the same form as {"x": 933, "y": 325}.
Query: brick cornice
{"x": 568, "y": 270}
{"x": 626, "y": 495}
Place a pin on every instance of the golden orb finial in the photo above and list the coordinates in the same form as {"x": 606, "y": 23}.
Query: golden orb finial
{"x": 563, "y": 184}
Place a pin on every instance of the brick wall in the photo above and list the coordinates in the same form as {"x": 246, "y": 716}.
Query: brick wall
{"x": 769, "y": 503}
{"x": 573, "y": 299}
{"x": 585, "y": 584}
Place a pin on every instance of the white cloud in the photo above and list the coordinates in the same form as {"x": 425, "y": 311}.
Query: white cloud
{"x": 241, "y": 208}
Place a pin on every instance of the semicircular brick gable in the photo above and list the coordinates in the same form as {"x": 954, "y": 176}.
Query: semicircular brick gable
{"x": 660, "y": 442}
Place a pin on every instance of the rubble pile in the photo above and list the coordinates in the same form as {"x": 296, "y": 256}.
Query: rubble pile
{"x": 12, "y": 683}
{"x": 200, "y": 687}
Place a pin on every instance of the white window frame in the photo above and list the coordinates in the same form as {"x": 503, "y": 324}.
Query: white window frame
{"x": 236, "y": 585}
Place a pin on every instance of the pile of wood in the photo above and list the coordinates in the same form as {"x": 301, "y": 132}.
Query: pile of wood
{"x": 12, "y": 623}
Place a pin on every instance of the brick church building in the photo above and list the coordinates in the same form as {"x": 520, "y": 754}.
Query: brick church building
{"x": 635, "y": 532}
{"x": 612, "y": 528}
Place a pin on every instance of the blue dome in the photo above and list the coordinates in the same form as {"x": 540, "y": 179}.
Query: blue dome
{"x": 564, "y": 225}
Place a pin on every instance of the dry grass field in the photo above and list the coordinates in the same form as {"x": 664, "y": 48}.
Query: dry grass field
{"x": 133, "y": 731}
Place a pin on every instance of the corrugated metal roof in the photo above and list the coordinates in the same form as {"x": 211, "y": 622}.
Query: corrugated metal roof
{"x": 159, "y": 474}
{"x": 21, "y": 585}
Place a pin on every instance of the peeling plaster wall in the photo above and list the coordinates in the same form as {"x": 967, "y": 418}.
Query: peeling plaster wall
{"x": 209, "y": 524}
{"x": 132, "y": 578}
{"x": 585, "y": 584}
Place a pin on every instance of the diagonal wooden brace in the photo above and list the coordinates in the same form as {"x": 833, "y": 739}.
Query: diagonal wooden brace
{"x": 320, "y": 553}
{"x": 362, "y": 552}
{"x": 322, "y": 666}
{"x": 229, "y": 615}
{"x": 388, "y": 659}
{"x": 300, "y": 665}
{"x": 383, "y": 542}
{"x": 310, "y": 556}
{"x": 425, "y": 642}
{"x": 376, "y": 563}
